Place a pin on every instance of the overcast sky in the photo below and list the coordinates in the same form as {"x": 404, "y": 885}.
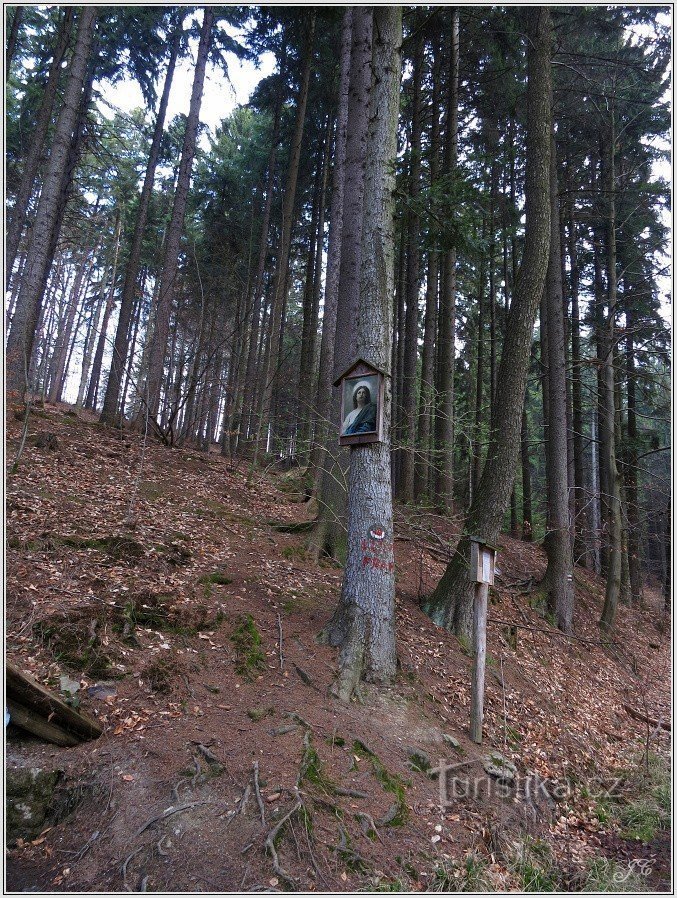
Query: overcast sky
{"x": 221, "y": 94}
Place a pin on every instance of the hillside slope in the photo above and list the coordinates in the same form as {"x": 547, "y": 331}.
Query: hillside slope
{"x": 163, "y": 586}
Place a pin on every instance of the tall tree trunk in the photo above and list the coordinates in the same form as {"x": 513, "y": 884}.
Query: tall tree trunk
{"x": 27, "y": 313}
{"x": 171, "y": 256}
{"x": 425, "y": 466}
{"x": 330, "y": 536}
{"x": 451, "y": 602}
{"x": 326, "y": 361}
{"x": 493, "y": 199}
{"x": 479, "y": 374}
{"x": 398, "y": 353}
{"x": 257, "y": 320}
{"x": 634, "y": 559}
{"x": 88, "y": 351}
{"x": 317, "y": 276}
{"x": 271, "y": 367}
{"x": 527, "y": 523}
{"x": 17, "y": 217}
{"x": 305, "y": 390}
{"x": 446, "y": 328}
{"x": 111, "y": 400}
{"x": 595, "y": 512}
{"x": 608, "y": 402}
{"x": 368, "y": 594}
{"x": 580, "y": 524}
{"x": 406, "y": 484}
{"x": 13, "y": 37}
{"x": 667, "y": 550}
{"x": 81, "y": 277}
{"x": 93, "y": 388}
{"x": 599, "y": 329}
{"x": 559, "y": 580}
{"x": 132, "y": 344}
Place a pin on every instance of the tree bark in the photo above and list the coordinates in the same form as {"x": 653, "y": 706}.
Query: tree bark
{"x": 330, "y": 536}
{"x": 634, "y": 559}
{"x": 257, "y": 319}
{"x": 368, "y": 595}
{"x": 111, "y": 401}
{"x": 451, "y": 602}
{"x": 425, "y": 466}
{"x": 305, "y": 391}
{"x": 446, "y": 329}
{"x": 62, "y": 352}
{"x": 527, "y": 525}
{"x": 17, "y": 218}
{"x": 93, "y": 388}
{"x": 326, "y": 361}
{"x": 171, "y": 256}
{"x": 278, "y": 302}
{"x": 580, "y": 546}
{"x": 608, "y": 401}
{"x": 479, "y": 375}
{"x": 27, "y": 313}
{"x": 12, "y": 39}
{"x": 558, "y": 580}
{"x": 406, "y": 484}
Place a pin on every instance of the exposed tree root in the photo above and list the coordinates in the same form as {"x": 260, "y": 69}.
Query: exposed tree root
{"x": 168, "y": 813}
{"x": 125, "y": 864}
{"x": 257, "y": 791}
{"x": 351, "y": 793}
{"x": 368, "y": 825}
{"x": 270, "y": 844}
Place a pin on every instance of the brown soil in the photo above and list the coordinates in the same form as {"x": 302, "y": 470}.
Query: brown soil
{"x": 161, "y": 791}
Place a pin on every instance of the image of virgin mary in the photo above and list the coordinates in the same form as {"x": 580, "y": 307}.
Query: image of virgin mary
{"x": 362, "y": 419}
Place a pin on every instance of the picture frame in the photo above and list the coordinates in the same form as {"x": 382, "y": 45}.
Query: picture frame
{"x": 362, "y": 387}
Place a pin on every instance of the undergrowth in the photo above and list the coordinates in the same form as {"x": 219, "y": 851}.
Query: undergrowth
{"x": 534, "y": 866}
{"x": 466, "y": 875}
{"x": 605, "y": 875}
{"x": 642, "y": 805}
{"x": 247, "y": 641}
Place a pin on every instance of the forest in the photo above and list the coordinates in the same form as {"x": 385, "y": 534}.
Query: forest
{"x": 461, "y": 213}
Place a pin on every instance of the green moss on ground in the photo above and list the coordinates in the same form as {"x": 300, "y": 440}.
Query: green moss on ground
{"x": 390, "y": 782}
{"x": 247, "y": 641}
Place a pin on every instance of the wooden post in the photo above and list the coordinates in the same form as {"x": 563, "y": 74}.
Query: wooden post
{"x": 479, "y": 660}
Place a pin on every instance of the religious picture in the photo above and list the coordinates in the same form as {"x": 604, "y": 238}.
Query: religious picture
{"x": 360, "y": 405}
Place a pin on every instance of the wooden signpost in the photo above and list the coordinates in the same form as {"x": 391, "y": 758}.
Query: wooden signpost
{"x": 482, "y": 564}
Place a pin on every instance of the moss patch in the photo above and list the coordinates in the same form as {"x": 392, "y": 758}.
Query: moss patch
{"x": 216, "y": 578}
{"x": 247, "y": 641}
{"x": 292, "y": 526}
{"x": 76, "y": 641}
{"x": 118, "y": 547}
{"x": 311, "y": 769}
{"x": 390, "y": 782}
{"x": 161, "y": 674}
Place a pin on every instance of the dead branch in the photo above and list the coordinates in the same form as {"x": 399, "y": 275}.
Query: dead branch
{"x": 644, "y": 718}
{"x": 279, "y": 628}
{"x": 512, "y": 623}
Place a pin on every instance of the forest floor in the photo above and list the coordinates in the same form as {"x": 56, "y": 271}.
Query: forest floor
{"x": 142, "y": 580}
